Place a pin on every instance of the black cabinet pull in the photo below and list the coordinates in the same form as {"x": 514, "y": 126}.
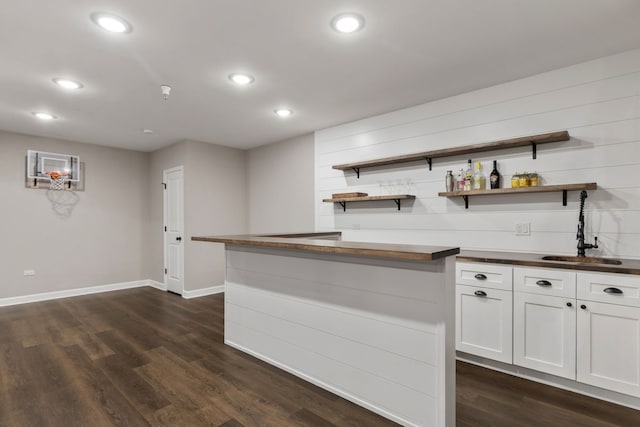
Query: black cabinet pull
{"x": 543, "y": 283}
{"x": 569, "y": 304}
{"x": 584, "y": 307}
{"x": 480, "y": 276}
{"x": 613, "y": 291}
{"x": 480, "y": 293}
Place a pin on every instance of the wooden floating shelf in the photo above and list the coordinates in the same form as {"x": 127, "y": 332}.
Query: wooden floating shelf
{"x": 542, "y": 189}
{"x": 532, "y": 141}
{"x": 342, "y": 201}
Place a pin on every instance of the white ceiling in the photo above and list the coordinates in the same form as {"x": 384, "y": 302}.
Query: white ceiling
{"x": 410, "y": 52}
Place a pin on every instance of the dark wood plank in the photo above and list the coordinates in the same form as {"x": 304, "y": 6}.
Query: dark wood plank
{"x": 140, "y": 393}
{"x": 544, "y": 138}
{"x": 489, "y": 398}
{"x": 232, "y": 423}
{"x": 384, "y": 250}
{"x": 99, "y": 394}
{"x": 516, "y": 190}
{"x": 145, "y": 357}
{"x": 307, "y": 418}
{"x": 369, "y": 198}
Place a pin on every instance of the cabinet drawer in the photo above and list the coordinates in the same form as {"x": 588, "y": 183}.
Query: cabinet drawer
{"x": 545, "y": 281}
{"x": 622, "y": 289}
{"x": 485, "y": 275}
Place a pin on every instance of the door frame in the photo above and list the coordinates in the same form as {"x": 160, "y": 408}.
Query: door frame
{"x": 165, "y": 205}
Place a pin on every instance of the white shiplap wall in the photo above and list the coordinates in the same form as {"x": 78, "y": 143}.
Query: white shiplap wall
{"x": 375, "y": 331}
{"x": 598, "y": 102}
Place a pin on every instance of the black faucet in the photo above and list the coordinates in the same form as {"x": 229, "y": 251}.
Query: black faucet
{"x": 581, "y": 244}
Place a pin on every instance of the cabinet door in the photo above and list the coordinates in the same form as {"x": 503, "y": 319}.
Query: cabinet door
{"x": 484, "y": 322}
{"x": 544, "y": 329}
{"x": 609, "y": 346}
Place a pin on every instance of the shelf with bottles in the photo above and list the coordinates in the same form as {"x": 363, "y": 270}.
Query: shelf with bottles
{"x": 342, "y": 201}
{"x": 564, "y": 188}
{"x": 533, "y": 141}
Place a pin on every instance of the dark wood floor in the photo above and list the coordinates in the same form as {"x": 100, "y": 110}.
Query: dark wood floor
{"x": 144, "y": 357}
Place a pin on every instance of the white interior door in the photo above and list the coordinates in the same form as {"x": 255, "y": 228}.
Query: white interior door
{"x": 174, "y": 229}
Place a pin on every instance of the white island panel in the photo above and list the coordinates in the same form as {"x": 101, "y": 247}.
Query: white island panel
{"x": 376, "y": 331}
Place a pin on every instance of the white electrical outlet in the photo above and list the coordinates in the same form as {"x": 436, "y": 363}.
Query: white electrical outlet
{"x": 523, "y": 229}
{"x": 29, "y": 272}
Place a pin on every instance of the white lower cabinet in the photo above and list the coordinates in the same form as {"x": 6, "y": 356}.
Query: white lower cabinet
{"x": 484, "y": 305}
{"x": 581, "y": 326}
{"x": 484, "y": 322}
{"x": 608, "y": 333}
{"x": 544, "y": 333}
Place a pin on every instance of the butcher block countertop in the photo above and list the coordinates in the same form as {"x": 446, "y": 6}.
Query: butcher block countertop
{"x": 627, "y": 266}
{"x": 330, "y": 243}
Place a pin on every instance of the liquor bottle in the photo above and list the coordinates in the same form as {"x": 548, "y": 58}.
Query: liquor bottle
{"x": 478, "y": 178}
{"x": 468, "y": 180}
{"x": 494, "y": 178}
{"x": 460, "y": 181}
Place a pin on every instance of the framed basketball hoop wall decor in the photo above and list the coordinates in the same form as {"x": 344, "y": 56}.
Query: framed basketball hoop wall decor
{"x": 54, "y": 171}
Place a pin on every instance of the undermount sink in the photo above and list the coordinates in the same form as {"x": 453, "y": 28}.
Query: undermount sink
{"x": 590, "y": 260}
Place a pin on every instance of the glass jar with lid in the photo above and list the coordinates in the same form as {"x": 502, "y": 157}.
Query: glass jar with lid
{"x": 515, "y": 180}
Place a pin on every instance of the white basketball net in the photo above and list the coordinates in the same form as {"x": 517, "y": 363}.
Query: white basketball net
{"x": 57, "y": 180}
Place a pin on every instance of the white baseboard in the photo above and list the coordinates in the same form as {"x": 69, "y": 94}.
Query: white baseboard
{"x": 158, "y": 285}
{"x": 45, "y": 296}
{"x": 202, "y": 292}
{"x": 552, "y": 380}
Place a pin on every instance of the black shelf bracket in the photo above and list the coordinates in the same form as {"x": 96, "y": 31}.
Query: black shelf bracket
{"x": 357, "y": 171}
{"x": 344, "y": 206}
{"x": 429, "y": 162}
{"x": 397, "y": 202}
{"x": 466, "y": 202}
{"x": 564, "y": 197}
{"x": 534, "y": 153}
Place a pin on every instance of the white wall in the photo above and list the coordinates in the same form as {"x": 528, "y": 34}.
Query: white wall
{"x": 598, "y": 102}
{"x": 280, "y": 186}
{"x": 115, "y": 233}
{"x": 215, "y": 204}
{"x": 101, "y": 242}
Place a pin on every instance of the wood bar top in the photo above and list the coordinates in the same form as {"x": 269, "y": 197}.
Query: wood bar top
{"x": 325, "y": 243}
{"x": 628, "y": 266}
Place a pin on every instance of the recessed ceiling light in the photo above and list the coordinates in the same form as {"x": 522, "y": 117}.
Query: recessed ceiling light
{"x": 147, "y": 131}
{"x": 347, "y": 22}
{"x": 241, "y": 79}
{"x": 112, "y": 23}
{"x": 44, "y": 116}
{"x": 283, "y": 112}
{"x": 67, "y": 84}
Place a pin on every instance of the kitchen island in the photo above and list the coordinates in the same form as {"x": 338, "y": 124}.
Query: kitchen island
{"x": 373, "y": 323}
